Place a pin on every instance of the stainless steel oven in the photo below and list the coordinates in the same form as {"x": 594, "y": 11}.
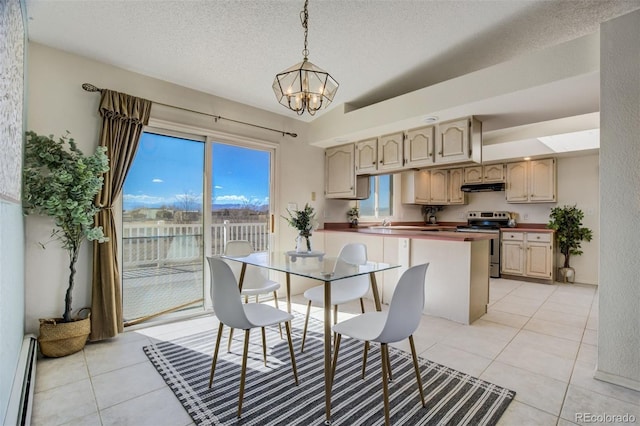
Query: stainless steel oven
{"x": 488, "y": 222}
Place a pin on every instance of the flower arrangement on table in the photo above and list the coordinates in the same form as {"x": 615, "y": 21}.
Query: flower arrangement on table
{"x": 305, "y": 222}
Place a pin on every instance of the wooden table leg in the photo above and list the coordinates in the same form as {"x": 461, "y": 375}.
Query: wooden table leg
{"x": 327, "y": 350}
{"x": 374, "y": 289}
{"x": 288, "y": 281}
{"x": 242, "y": 272}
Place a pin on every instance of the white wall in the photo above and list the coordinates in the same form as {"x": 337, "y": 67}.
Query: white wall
{"x": 619, "y": 295}
{"x": 12, "y": 45}
{"x": 58, "y": 103}
{"x": 577, "y": 184}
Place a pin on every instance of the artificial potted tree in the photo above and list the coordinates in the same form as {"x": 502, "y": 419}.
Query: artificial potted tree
{"x": 567, "y": 222}
{"x": 61, "y": 182}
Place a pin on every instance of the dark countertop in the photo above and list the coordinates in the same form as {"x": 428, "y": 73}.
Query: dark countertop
{"x": 424, "y": 232}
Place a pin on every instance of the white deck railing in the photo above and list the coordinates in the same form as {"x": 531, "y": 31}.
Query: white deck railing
{"x": 163, "y": 243}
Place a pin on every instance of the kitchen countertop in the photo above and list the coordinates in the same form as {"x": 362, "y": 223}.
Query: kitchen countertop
{"x": 426, "y": 232}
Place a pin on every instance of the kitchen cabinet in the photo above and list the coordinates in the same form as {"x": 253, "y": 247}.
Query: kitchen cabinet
{"x": 527, "y": 254}
{"x": 456, "y": 196}
{"x": 339, "y": 172}
{"x": 380, "y": 155}
{"x": 367, "y": 156}
{"x": 419, "y": 147}
{"x": 438, "y": 187}
{"x": 459, "y": 141}
{"x": 415, "y": 187}
{"x": 489, "y": 173}
{"x": 390, "y": 156}
{"x": 531, "y": 181}
{"x": 435, "y": 187}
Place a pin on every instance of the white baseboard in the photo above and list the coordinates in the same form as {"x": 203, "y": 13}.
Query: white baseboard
{"x": 617, "y": 380}
{"x": 24, "y": 383}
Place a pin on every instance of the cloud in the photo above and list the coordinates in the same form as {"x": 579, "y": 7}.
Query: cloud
{"x": 156, "y": 180}
{"x": 217, "y": 187}
{"x": 231, "y": 199}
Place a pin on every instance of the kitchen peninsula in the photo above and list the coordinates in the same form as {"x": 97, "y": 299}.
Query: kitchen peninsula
{"x": 457, "y": 282}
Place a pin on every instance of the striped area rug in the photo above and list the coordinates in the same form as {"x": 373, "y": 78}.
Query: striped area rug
{"x": 271, "y": 397}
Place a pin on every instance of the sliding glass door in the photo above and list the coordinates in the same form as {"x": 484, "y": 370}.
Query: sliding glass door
{"x": 173, "y": 217}
{"x": 162, "y": 235}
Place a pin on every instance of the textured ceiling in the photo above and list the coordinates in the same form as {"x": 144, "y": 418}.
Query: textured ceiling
{"x": 375, "y": 49}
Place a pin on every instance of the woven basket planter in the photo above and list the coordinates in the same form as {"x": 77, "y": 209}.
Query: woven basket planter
{"x": 59, "y": 338}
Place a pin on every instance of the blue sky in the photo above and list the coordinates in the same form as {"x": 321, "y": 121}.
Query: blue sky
{"x": 168, "y": 171}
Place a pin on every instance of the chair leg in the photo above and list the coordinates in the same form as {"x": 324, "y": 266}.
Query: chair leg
{"x": 415, "y": 366}
{"x": 385, "y": 388}
{"x": 306, "y": 323}
{"x": 335, "y": 321}
{"x": 246, "y": 299}
{"x": 336, "y": 347}
{"x": 287, "y": 325}
{"x": 275, "y": 299}
{"x": 364, "y": 357}
{"x": 264, "y": 346}
{"x": 243, "y": 372}
{"x": 229, "y": 342}
{"x": 215, "y": 354}
{"x": 256, "y": 298}
{"x": 362, "y": 305}
{"x": 388, "y": 364}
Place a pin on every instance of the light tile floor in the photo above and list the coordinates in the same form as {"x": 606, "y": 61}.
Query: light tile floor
{"x": 537, "y": 339}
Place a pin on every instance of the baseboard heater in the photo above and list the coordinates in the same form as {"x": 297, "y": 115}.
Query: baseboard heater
{"x": 24, "y": 383}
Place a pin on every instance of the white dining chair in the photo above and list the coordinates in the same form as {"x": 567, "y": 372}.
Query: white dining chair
{"x": 255, "y": 281}
{"x": 342, "y": 291}
{"x": 230, "y": 311}
{"x": 396, "y": 324}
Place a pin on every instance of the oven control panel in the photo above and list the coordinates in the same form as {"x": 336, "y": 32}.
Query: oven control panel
{"x": 488, "y": 215}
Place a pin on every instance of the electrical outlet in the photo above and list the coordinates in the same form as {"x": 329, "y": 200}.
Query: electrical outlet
{"x": 525, "y": 216}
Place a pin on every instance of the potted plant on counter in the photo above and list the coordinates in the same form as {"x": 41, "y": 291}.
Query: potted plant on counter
{"x": 353, "y": 214}
{"x": 567, "y": 222}
{"x": 61, "y": 182}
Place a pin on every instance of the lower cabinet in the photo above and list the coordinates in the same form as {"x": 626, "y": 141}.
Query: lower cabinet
{"x": 527, "y": 254}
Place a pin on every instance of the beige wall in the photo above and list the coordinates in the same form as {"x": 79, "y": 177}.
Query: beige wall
{"x": 58, "y": 103}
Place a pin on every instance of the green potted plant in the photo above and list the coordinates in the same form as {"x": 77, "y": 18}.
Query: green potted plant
{"x": 567, "y": 222}
{"x": 61, "y": 182}
{"x": 353, "y": 214}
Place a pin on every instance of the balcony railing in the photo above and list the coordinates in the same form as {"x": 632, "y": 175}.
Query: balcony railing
{"x": 169, "y": 244}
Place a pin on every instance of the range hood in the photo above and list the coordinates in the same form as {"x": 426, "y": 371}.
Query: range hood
{"x": 482, "y": 187}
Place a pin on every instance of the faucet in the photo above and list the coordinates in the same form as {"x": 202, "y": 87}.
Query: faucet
{"x": 386, "y": 221}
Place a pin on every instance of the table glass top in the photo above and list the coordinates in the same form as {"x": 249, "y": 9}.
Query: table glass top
{"x": 323, "y": 268}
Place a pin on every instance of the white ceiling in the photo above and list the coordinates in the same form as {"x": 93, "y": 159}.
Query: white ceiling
{"x": 375, "y": 49}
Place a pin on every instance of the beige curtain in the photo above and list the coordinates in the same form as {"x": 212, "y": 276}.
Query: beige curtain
{"x": 123, "y": 118}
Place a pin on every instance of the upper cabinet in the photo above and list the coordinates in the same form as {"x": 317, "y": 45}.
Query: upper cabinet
{"x": 419, "y": 147}
{"x": 490, "y": 173}
{"x": 459, "y": 141}
{"x": 532, "y": 181}
{"x": 390, "y": 149}
{"x": 380, "y": 155}
{"x": 435, "y": 187}
{"x": 339, "y": 172}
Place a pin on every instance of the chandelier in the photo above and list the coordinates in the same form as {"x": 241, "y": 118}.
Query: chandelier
{"x": 305, "y": 86}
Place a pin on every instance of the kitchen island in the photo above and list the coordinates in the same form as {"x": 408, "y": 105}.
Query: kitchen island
{"x": 457, "y": 281}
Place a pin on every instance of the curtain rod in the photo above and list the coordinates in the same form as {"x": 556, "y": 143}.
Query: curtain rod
{"x": 91, "y": 88}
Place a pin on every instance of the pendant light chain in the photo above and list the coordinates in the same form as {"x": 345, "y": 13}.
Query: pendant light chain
{"x": 304, "y": 18}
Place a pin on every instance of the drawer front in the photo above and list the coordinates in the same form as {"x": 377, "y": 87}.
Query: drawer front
{"x": 539, "y": 237}
{"x": 512, "y": 236}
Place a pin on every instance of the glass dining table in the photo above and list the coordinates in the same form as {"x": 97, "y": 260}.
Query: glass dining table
{"x": 316, "y": 266}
